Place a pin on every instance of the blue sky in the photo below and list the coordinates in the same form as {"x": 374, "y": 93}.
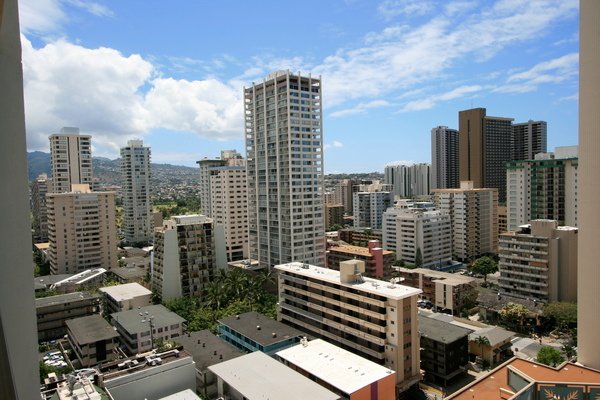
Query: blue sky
{"x": 172, "y": 72}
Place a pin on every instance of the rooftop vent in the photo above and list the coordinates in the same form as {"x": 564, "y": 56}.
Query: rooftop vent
{"x": 258, "y": 327}
{"x": 274, "y": 334}
{"x": 237, "y": 317}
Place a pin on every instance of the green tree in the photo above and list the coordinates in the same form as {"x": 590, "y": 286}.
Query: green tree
{"x": 549, "y": 356}
{"x": 484, "y": 265}
{"x": 399, "y": 263}
{"x": 513, "y": 315}
{"x": 335, "y": 227}
{"x": 563, "y": 315}
{"x": 482, "y": 341}
{"x": 419, "y": 258}
{"x": 45, "y": 369}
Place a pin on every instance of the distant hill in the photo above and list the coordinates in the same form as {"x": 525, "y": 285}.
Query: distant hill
{"x": 38, "y": 162}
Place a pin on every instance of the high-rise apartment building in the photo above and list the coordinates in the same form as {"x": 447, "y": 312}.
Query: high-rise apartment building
{"x": 588, "y": 273}
{"x": 187, "y": 251}
{"x": 343, "y": 194}
{"x": 228, "y": 157}
{"x": 444, "y": 158}
{"x": 388, "y": 222}
{"x": 39, "y": 188}
{"x": 284, "y": 145}
{"x": 137, "y": 209}
{"x": 374, "y": 319}
{"x": 428, "y": 232}
{"x": 485, "y": 144}
{"x": 474, "y": 218}
{"x": 529, "y": 139}
{"x": 229, "y": 207}
{"x": 82, "y": 230}
{"x": 539, "y": 261}
{"x": 369, "y": 208}
{"x": 71, "y": 159}
{"x": 409, "y": 180}
{"x": 543, "y": 188}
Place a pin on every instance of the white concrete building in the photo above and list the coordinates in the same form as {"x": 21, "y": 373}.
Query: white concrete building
{"x": 372, "y": 318}
{"x": 409, "y": 180}
{"x": 474, "y": 218}
{"x": 39, "y": 188}
{"x": 229, "y": 207}
{"x": 543, "y": 188}
{"x": 429, "y": 232}
{"x": 228, "y": 157}
{"x": 188, "y": 249}
{"x": 284, "y": 146}
{"x": 137, "y": 209}
{"x": 82, "y": 230}
{"x": 125, "y": 297}
{"x": 444, "y": 158}
{"x": 369, "y": 208}
{"x": 71, "y": 159}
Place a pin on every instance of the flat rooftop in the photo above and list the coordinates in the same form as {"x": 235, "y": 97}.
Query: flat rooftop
{"x": 64, "y": 298}
{"x": 131, "y": 320}
{"x": 126, "y": 291}
{"x": 493, "y": 386}
{"x": 447, "y": 277}
{"x": 258, "y": 376}
{"x": 90, "y": 329}
{"x": 355, "y": 250}
{"x": 369, "y": 285}
{"x": 187, "y": 394}
{"x": 247, "y": 325}
{"x": 129, "y": 272}
{"x": 441, "y": 331}
{"x": 207, "y": 349}
{"x": 338, "y": 367}
{"x": 140, "y": 362}
{"x": 83, "y": 276}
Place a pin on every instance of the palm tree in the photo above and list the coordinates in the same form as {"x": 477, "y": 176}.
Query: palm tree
{"x": 482, "y": 341}
{"x": 213, "y": 295}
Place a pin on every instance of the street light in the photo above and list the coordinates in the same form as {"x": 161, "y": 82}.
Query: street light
{"x": 150, "y": 320}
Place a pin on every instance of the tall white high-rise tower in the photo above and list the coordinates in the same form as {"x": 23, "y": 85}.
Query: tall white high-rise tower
{"x": 71, "y": 158}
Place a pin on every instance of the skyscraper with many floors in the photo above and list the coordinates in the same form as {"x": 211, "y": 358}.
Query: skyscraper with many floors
{"x": 135, "y": 175}
{"x": 71, "y": 159}
{"x": 529, "y": 139}
{"x": 284, "y": 145}
{"x": 444, "y": 158}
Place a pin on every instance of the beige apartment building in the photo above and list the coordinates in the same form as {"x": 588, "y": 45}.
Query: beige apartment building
{"x": 187, "y": 249}
{"x": 39, "y": 188}
{"x": 71, "y": 159}
{"x": 82, "y": 230}
{"x": 228, "y": 157}
{"x": 539, "y": 261}
{"x": 334, "y": 215}
{"x": 229, "y": 207}
{"x": 371, "y": 318}
{"x": 474, "y": 218}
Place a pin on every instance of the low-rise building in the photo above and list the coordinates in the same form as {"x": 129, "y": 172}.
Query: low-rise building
{"x": 492, "y": 344}
{"x": 444, "y": 350}
{"x": 125, "y": 297}
{"x": 256, "y": 376}
{"x": 92, "y": 339}
{"x": 206, "y": 350}
{"x": 446, "y": 291}
{"x": 539, "y": 261}
{"x": 140, "y": 328}
{"x": 253, "y": 331}
{"x": 372, "y": 318}
{"x": 132, "y": 273}
{"x": 53, "y": 311}
{"x": 344, "y": 373}
{"x": 378, "y": 262}
{"x": 151, "y": 376}
{"x": 519, "y": 379}
{"x": 360, "y": 236}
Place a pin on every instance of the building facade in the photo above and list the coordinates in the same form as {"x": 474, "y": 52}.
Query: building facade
{"x": 92, "y": 339}
{"x": 374, "y": 319}
{"x": 543, "y": 188}
{"x": 39, "y": 188}
{"x": 529, "y": 139}
{"x": 444, "y": 158}
{"x": 369, "y": 208}
{"x": 228, "y": 158}
{"x": 82, "y": 230}
{"x": 185, "y": 256}
{"x": 284, "y": 145}
{"x": 71, "y": 159}
{"x": 378, "y": 262}
{"x": 409, "y": 180}
{"x": 474, "y": 218}
{"x": 137, "y": 209}
{"x": 485, "y": 145}
{"x": 334, "y": 215}
{"x": 229, "y": 207}
{"x": 539, "y": 261}
{"x": 125, "y": 297}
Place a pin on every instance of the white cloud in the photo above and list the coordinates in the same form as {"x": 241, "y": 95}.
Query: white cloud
{"x": 389, "y": 9}
{"x": 97, "y": 9}
{"x": 455, "y": 8}
{"x": 40, "y": 16}
{"x": 553, "y": 71}
{"x": 431, "y": 101}
{"x": 334, "y": 144}
{"x": 360, "y": 108}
